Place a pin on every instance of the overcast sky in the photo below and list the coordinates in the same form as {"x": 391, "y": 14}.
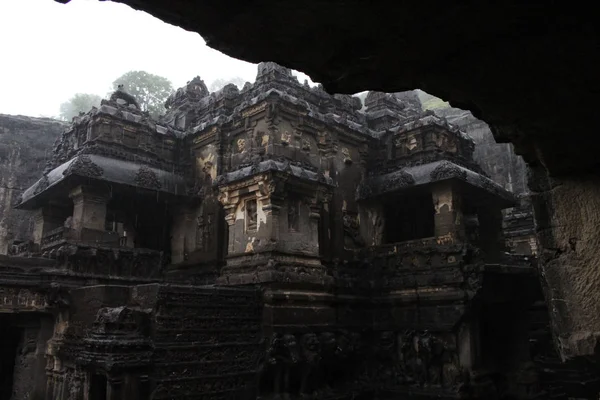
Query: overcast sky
{"x": 51, "y": 51}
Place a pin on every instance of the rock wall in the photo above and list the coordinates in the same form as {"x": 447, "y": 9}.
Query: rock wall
{"x": 25, "y": 147}
{"x": 568, "y": 231}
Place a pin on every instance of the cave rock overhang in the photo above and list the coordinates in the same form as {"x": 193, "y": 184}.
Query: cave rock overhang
{"x": 529, "y": 70}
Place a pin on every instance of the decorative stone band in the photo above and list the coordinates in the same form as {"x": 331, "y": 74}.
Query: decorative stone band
{"x": 273, "y": 166}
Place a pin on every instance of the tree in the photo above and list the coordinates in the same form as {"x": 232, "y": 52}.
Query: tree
{"x": 151, "y": 91}
{"x": 80, "y": 102}
{"x": 220, "y": 83}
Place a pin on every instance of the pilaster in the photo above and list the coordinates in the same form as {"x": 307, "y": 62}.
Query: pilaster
{"x": 448, "y": 217}
{"x": 89, "y": 208}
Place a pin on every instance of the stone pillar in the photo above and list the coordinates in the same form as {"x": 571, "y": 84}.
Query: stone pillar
{"x": 467, "y": 345}
{"x": 89, "y": 208}
{"x": 229, "y": 205}
{"x": 39, "y": 227}
{"x": 372, "y": 223}
{"x": 448, "y": 211}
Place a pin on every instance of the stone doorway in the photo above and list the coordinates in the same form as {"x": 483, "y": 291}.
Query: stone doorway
{"x": 9, "y": 343}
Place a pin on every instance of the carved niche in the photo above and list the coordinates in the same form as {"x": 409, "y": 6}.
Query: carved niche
{"x": 251, "y": 212}
{"x": 203, "y": 228}
{"x": 293, "y": 215}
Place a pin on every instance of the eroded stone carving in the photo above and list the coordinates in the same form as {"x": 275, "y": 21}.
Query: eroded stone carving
{"x": 84, "y": 166}
{"x": 147, "y": 178}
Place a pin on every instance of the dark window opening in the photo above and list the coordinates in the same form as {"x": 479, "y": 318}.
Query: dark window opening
{"x": 409, "y": 218}
{"x": 139, "y": 221}
{"x": 144, "y": 388}
{"x": 504, "y": 334}
{"x": 98, "y": 385}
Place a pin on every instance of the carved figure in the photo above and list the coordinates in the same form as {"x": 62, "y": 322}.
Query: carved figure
{"x": 311, "y": 359}
{"x": 352, "y": 236}
{"x": 346, "y": 155}
{"x": 385, "y": 358}
{"x": 207, "y": 169}
{"x": 289, "y": 359}
{"x": 286, "y": 138}
{"x": 293, "y": 215}
{"x": 268, "y": 366}
{"x": 241, "y": 145}
{"x": 251, "y": 214}
{"x": 306, "y": 145}
{"x": 329, "y": 355}
{"x": 451, "y": 370}
{"x": 199, "y": 233}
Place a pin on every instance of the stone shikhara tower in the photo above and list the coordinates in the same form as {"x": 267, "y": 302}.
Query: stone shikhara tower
{"x": 374, "y": 239}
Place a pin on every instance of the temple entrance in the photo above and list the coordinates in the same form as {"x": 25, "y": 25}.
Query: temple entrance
{"x": 98, "y": 385}
{"x": 9, "y": 343}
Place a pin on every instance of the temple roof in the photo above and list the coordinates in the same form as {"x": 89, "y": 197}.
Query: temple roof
{"x": 104, "y": 169}
{"x": 425, "y": 174}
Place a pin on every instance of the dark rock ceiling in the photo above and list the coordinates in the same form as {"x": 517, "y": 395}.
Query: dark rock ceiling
{"x": 529, "y": 69}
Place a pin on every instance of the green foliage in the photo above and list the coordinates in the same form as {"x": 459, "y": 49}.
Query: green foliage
{"x": 150, "y": 91}
{"x": 80, "y": 102}
{"x": 430, "y": 102}
{"x": 220, "y": 83}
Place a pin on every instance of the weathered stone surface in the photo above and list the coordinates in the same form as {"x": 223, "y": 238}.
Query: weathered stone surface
{"x": 568, "y": 230}
{"x": 25, "y": 148}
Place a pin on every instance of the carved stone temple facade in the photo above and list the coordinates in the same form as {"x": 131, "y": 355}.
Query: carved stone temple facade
{"x": 274, "y": 242}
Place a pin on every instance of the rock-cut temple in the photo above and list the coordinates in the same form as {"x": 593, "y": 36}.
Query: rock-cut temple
{"x": 273, "y": 242}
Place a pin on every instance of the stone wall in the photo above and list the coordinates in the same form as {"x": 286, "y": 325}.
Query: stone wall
{"x": 25, "y": 147}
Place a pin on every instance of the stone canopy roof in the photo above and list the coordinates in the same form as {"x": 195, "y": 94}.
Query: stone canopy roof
{"x": 104, "y": 169}
{"x": 426, "y": 174}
